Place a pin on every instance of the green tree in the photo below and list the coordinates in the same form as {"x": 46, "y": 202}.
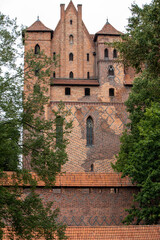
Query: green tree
{"x": 139, "y": 156}
{"x": 25, "y": 131}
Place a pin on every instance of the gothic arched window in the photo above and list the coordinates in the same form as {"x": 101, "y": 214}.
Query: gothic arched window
{"x": 106, "y": 53}
{"x": 37, "y": 49}
{"x": 71, "y": 57}
{"x": 89, "y": 131}
{"x": 71, "y": 75}
{"x": 111, "y": 71}
{"x": 71, "y": 39}
{"x": 114, "y": 53}
{"x": 92, "y": 167}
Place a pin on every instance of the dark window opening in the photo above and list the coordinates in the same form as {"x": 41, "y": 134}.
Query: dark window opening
{"x": 71, "y": 39}
{"x": 54, "y": 55}
{"x": 71, "y": 75}
{"x": 59, "y": 130}
{"x": 111, "y": 92}
{"x": 87, "y": 57}
{"x": 92, "y": 168}
{"x": 71, "y": 57}
{"x": 116, "y": 190}
{"x": 106, "y": 53}
{"x": 89, "y": 131}
{"x": 54, "y": 75}
{"x": 67, "y": 91}
{"x": 36, "y": 72}
{"x": 88, "y": 75}
{"x": 71, "y": 22}
{"x": 111, "y": 71}
{"x": 114, "y": 53}
{"x": 87, "y": 91}
{"x": 37, "y": 49}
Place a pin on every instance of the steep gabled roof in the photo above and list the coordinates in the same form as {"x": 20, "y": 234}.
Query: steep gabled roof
{"x": 38, "y": 26}
{"x": 107, "y": 30}
{"x": 71, "y": 5}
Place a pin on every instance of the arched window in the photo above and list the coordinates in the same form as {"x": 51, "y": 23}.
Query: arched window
{"x": 111, "y": 92}
{"x": 92, "y": 168}
{"x": 111, "y": 71}
{"x": 71, "y": 57}
{"x": 89, "y": 131}
{"x": 54, "y": 56}
{"x": 71, "y": 22}
{"x": 37, "y": 49}
{"x": 59, "y": 130}
{"x": 87, "y": 57}
{"x": 114, "y": 53}
{"x": 106, "y": 53}
{"x": 88, "y": 75}
{"x": 71, "y": 39}
{"x": 54, "y": 75}
{"x": 71, "y": 75}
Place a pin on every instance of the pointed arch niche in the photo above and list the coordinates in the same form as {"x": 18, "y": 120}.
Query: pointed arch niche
{"x": 37, "y": 49}
{"x": 89, "y": 131}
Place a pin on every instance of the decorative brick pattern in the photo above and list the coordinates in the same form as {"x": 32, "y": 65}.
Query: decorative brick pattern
{"x": 89, "y": 206}
{"x": 108, "y": 126}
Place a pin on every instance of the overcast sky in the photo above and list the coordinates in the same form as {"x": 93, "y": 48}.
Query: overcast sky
{"x": 94, "y": 12}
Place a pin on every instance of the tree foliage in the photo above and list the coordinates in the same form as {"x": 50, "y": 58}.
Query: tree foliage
{"x": 139, "y": 156}
{"x": 27, "y": 134}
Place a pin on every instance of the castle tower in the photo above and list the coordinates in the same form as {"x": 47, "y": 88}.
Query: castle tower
{"x": 93, "y": 86}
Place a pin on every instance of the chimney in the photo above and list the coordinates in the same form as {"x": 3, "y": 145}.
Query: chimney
{"x": 62, "y": 11}
{"x": 79, "y": 6}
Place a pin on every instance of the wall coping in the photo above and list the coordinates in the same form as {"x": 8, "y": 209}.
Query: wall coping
{"x": 75, "y": 180}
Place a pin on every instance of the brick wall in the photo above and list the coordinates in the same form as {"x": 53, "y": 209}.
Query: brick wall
{"x": 88, "y": 206}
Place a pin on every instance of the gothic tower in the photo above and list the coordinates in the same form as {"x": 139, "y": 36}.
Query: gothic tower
{"x": 93, "y": 86}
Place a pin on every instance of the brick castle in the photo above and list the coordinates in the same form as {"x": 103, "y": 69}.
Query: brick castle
{"x": 94, "y": 87}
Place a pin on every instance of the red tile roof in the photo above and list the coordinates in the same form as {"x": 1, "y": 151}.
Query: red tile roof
{"x": 109, "y": 29}
{"x": 78, "y": 180}
{"x": 38, "y": 26}
{"x": 132, "y": 232}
